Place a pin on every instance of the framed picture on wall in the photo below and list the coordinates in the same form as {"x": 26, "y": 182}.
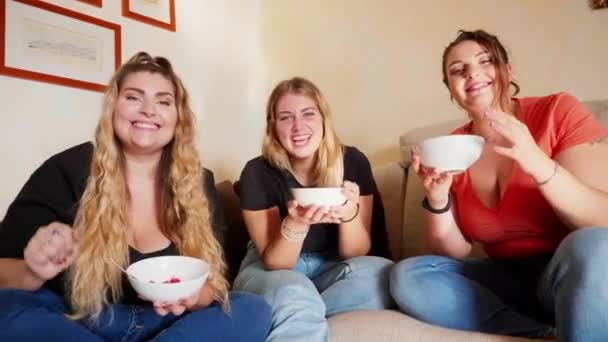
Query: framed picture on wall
{"x": 48, "y": 43}
{"x": 93, "y": 2}
{"x": 160, "y": 13}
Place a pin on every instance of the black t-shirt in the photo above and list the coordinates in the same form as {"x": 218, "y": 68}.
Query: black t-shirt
{"x": 52, "y": 194}
{"x": 263, "y": 186}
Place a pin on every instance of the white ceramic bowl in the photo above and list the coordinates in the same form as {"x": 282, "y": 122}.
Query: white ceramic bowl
{"x": 318, "y": 196}
{"x": 451, "y": 153}
{"x": 149, "y": 276}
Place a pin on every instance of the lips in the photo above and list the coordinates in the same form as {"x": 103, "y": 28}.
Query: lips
{"x": 475, "y": 87}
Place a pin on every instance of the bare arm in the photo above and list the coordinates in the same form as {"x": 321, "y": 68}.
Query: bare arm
{"x": 16, "y": 274}
{"x": 355, "y": 236}
{"x": 275, "y": 251}
{"x": 443, "y": 233}
{"x": 582, "y": 174}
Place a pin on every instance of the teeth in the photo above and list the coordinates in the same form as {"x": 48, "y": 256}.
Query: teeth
{"x": 478, "y": 86}
{"x": 300, "y": 137}
{"x": 145, "y": 125}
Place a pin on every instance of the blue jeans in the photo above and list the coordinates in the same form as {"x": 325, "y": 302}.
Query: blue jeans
{"x": 319, "y": 286}
{"x": 519, "y": 298}
{"x": 39, "y": 316}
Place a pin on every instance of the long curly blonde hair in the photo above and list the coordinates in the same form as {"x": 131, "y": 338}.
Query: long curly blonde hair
{"x": 102, "y": 217}
{"x": 329, "y": 163}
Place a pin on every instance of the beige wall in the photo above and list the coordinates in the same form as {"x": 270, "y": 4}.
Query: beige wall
{"x": 377, "y": 61}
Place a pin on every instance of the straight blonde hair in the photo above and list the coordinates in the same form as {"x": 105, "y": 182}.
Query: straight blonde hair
{"x": 329, "y": 158}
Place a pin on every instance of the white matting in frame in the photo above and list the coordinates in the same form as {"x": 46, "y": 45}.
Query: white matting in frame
{"x": 57, "y": 45}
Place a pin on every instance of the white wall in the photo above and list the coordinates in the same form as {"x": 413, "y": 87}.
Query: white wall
{"x": 217, "y": 52}
{"x": 378, "y": 62}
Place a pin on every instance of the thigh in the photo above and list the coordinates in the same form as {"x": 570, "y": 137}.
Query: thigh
{"x": 122, "y": 322}
{"x": 359, "y": 283}
{"x": 514, "y": 282}
{"x": 363, "y": 268}
{"x": 36, "y": 316}
{"x": 248, "y": 319}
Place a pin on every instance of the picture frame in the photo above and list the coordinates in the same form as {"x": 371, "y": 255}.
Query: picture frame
{"x": 97, "y": 3}
{"x": 47, "y": 43}
{"x": 159, "y": 13}
{"x": 597, "y": 4}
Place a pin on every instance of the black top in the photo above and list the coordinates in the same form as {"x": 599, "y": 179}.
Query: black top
{"x": 263, "y": 186}
{"x": 52, "y": 194}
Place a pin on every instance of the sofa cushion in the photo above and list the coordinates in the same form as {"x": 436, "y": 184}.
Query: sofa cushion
{"x": 392, "y": 326}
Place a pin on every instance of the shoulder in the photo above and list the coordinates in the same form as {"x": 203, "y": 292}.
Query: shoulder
{"x": 78, "y": 154}
{"x": 259, "y": 167}
{"x": 72, "y": 164}
{"x": 352, "y": 153}
{"x": 553, "y": 103}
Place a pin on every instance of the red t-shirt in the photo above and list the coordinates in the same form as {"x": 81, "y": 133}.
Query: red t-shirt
{"x": 523, "y": 223}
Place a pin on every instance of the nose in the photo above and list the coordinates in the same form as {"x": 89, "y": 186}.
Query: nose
{"x": 472, "y": 73}
{"x": 298, "y": 122}
{"x": 147, "y": 108}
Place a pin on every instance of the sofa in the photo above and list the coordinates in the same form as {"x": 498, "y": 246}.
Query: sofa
{"x": 401, "y": 193}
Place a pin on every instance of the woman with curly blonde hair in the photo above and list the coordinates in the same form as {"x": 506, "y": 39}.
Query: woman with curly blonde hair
{"x": 140, "y": 191}
{"x": 310, "y": 262}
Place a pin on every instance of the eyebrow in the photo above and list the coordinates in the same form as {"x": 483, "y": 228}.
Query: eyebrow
{"x": 477, "y": 55}
{"x": 303, "y": 110}
{"x": 160, "y": 93}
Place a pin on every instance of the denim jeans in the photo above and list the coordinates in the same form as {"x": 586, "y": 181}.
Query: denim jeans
{"x": 319, "y": 286}
{"x": 40, "y": 316}
{"x": 520, "y": 298}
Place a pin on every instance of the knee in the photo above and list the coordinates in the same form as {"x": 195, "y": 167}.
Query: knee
{"x": 372, "y": 265}
{"x": 410, "y": 277}
{"x": 583, "y": 247}
{"x": 243, "y": 306}
{"x": 407, "y": 272}
{"x": 285, "y": 286}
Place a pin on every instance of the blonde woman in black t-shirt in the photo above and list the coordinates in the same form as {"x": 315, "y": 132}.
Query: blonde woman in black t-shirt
{"x": 137, "y": 192}
{"x": 309, "y": 262}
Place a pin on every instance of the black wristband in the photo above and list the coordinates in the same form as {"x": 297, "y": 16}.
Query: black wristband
{"x": 427, "y": 206}
{"x": 352, "y": 218}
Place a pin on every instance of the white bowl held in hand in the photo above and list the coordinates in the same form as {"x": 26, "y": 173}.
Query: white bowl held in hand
{"x": 318, "y": 196}
{"x": 168, "y": 278}
{"x": 451, "y": 153}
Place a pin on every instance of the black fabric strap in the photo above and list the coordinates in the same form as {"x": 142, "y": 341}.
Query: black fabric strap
{"x": 427, "y": 206}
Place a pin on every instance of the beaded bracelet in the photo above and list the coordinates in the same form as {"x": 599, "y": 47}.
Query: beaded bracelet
{"x": 291, "y": 234}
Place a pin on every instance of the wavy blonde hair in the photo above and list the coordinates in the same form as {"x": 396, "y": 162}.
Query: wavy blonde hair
{"x": 102, "y": 218}
{"x": 329, "y": 163}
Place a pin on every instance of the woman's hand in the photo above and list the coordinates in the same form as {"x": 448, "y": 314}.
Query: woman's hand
{"x": 522, "y": 147}
{"x": 200, "y": 299}
{"x": 303, "y": 217}
{"x": 51, "y": 250}
{"x": 436, "y": 183}
{"x": 177, "y": 308}
{"x": 349, "y": 209}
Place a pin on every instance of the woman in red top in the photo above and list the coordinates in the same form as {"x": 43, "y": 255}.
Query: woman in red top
{"x": 530, "y": 200}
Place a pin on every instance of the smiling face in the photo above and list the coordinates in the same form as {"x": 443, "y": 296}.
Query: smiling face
{"x": 298, "y": 126}
{"x": 145, "y": 113}
{"x": 471, "y": 76}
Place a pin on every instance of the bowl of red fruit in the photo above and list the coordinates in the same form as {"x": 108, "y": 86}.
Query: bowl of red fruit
{"x": 168, "y": 278}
